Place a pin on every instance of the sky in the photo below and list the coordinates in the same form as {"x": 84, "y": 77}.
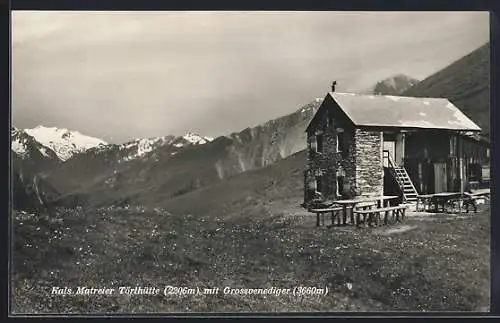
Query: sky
{"x": 124, "y": 75}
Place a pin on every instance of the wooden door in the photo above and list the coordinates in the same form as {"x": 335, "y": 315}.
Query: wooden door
{"x": 390, "y": 146}
{"x": 399, "y": 150}
{"x": 440, "y": 178}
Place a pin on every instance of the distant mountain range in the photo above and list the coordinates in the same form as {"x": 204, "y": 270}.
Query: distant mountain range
{"x": 40, "y": 153}
{"x": 105, "y": 175}
{"x": 62, "y": 167}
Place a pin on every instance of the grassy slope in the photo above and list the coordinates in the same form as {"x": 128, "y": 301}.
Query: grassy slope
{"x": 440, "y": 265}
{"x": 466, "y": 83}
{"x": 253, "y": 193}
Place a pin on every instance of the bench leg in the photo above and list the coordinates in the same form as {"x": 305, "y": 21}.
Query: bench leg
{"x": 317, "y": 219}
{"x": 386, "y": 215}
{"x": 403, "y": 214}
{"x": 358, "y": 219}
{"x": 344, "y": 215}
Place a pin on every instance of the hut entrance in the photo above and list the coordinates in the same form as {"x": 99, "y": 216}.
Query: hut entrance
{"x": 440, "y": 178}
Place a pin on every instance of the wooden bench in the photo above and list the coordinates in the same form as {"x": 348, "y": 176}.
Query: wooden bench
{"x": 468, "y": 200}
{"x": 398, "y": 214}
{"x": 365, "y": 205}
{"x": 320, "y": 214}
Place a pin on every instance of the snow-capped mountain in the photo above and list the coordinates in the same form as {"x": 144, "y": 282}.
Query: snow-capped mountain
{"x": 25, "y": 146}
{"x": 63, "y": 142}
{"x": 70, "y": 158}
{"x": 140, "y": 147}
{"x": 29, "y": 158}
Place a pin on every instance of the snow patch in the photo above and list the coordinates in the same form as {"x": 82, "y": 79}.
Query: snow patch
{"x": 143, "y": 146}
{"x": 63, "y": 142}
{"x": 19, "y": 147}
{"x": 196, "y": 139}
{"x": 423, "y": 114}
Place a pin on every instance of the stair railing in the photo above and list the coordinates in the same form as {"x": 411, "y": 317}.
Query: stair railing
{"x": 392, "y": 170}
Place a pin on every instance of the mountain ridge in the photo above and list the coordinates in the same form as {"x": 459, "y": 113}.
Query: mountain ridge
{"x": 392, "y": 85}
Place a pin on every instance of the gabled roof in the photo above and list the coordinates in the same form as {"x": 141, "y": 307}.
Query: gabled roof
{"x": 402, "y": 112}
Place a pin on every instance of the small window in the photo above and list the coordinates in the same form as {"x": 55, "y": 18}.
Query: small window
{"x": 319, "y": 143}
{"x": 329, "y": 121}
{"x": 340, "y": 185}
{"x": 318, "y": 184}
{"x": 312, "y": 143}
{"x": 340, "y": 142}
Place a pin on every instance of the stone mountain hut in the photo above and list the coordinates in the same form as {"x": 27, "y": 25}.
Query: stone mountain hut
{"x": 366, "y": 145}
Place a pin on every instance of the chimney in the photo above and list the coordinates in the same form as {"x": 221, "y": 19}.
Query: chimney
{"x": 333, "y": 85}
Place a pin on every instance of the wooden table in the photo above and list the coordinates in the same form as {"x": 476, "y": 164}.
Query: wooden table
{"x": 481, "y": 192}
{"x": 424, "y": 200}
{"x": 350, "y": 204}
{"x": 443, "y": 199}
{"x": 320, "y": 214}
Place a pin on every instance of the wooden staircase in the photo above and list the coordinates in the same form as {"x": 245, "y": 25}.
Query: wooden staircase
{"x": 409, "y": 191}
{"x": 404, "y": 182}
